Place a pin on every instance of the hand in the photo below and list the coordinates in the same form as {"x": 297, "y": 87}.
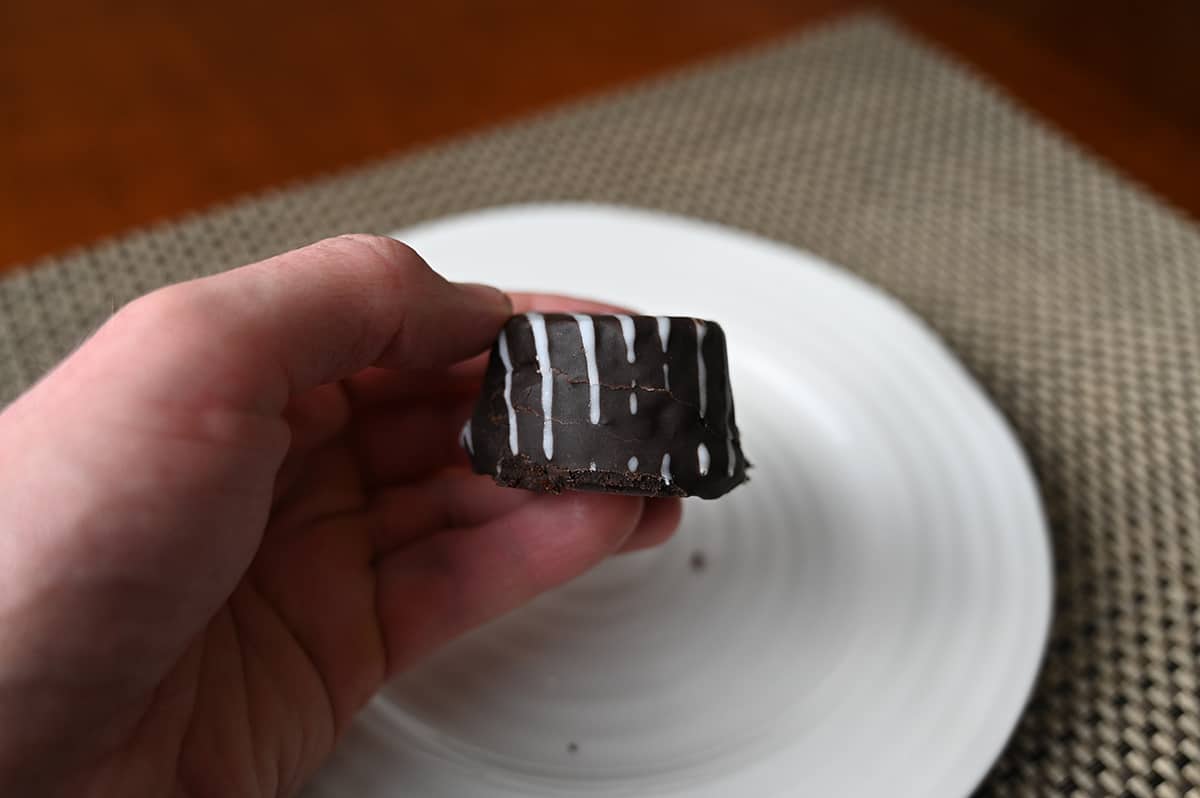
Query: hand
{"x": 240, "y": 506}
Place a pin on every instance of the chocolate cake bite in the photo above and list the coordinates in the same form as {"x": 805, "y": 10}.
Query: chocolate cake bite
{"x": 612, "y": 403}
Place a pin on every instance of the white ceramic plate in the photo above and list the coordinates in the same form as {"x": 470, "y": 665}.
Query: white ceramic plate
{"x": 873, "y": 605}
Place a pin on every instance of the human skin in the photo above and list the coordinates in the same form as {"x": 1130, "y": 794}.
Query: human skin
{"x": 240, "y": 506}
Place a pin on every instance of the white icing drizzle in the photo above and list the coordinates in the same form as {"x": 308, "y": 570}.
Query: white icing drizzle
{"x": 632, "y": 403}
{"x": 633, "y": 463}
{"x": 587, "y": 332}
{"x": 508, "y": 375}
{"x": 702, "y": 459}
{"x": 666, "y": 377}
{"x": 630, "y": 334}
{"x": 468, "y": 444}
{"x": 541, "y": 343}
{"x": 701, "y": 370}
{"x": 592, "y": 466}
{"x": 666, "y": 468}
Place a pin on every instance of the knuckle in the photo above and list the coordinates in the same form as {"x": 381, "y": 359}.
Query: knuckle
{"x": 155, "y": 309}
{"x": 169, "y": 318}
{"x": 388, "y": 267}
{"x": 381, "y": 252}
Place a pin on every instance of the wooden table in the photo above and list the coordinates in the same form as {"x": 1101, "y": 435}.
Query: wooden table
{"x": 114, "y": 115}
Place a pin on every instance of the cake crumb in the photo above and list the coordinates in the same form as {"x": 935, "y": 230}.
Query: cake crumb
{"x": 698, "y": 561}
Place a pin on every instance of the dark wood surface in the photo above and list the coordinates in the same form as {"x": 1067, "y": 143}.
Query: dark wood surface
{"x": 118, "y": 114}
{"x": 1120, "y": 77}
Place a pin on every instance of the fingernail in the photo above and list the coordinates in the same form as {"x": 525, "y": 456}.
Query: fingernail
{"x": 488, "y": 294}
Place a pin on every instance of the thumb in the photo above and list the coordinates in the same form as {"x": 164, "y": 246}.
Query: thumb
{"x": 254, "y": 336}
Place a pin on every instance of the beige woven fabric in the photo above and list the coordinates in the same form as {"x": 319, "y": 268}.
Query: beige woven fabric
{"x": 1071, "y": 294}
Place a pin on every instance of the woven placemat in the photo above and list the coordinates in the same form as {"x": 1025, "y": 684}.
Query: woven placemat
{"x": 1071, "y": 294}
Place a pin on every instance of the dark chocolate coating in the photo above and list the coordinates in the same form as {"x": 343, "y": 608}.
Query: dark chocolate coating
{"x": 597, "y": 456}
